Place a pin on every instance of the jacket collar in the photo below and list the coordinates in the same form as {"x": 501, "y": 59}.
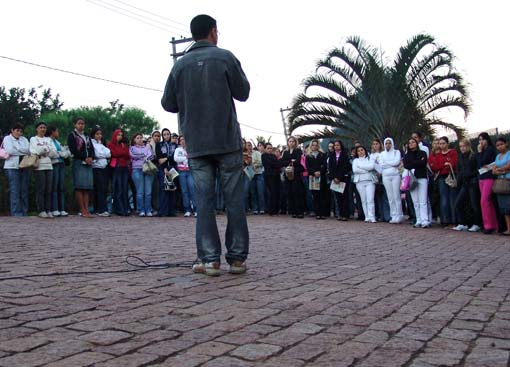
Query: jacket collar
{"x": 200, "y": 44}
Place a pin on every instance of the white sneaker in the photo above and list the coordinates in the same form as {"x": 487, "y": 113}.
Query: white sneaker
{"x": 43, "y": 215}
{"x": 56, "y": 213}
{"x": 194, "y": 214}
{"x": 104, "y": 214}
{"x": 474, "y": 228}
{"x": 50, "y": 215}
{"x": 187, "y": 214}
{"x": 460, "y": 227}
{"x": 149, "y": 214}
{"x": 142, "y": 214}
{"x": 63, "y": 213}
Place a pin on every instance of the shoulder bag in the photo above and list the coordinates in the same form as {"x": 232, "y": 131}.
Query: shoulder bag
{"x": 29, "y": 161}
{"x": 149, "y": 168}
{"x": 3, "y": 152}
{"x": 451, "y": 180}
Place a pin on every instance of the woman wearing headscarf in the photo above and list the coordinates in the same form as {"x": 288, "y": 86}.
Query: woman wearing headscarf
{"x": 389, "y": 161}
{"x": 119, "y": 163}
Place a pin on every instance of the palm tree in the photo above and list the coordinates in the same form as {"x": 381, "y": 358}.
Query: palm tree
{"x": 355, "y": 96}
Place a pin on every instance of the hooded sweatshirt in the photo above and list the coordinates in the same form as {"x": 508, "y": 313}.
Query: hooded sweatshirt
{"x": 119, "y": 151}
{"x": 390, "y": 160}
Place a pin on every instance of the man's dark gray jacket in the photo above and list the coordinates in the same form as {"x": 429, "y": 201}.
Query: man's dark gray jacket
{"x": 202, "y": 87}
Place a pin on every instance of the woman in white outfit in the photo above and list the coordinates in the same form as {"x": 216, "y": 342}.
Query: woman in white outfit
{"x": 365, "y": 177}
{"x": 389, "y": 160}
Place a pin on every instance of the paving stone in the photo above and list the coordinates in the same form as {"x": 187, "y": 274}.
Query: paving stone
{"x": 256, "y": 352}
{"x": 106, "y": 337}
{"x": 379, "y": 303}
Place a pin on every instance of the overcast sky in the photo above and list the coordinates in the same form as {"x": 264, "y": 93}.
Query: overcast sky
{"x": 277, "y": 42}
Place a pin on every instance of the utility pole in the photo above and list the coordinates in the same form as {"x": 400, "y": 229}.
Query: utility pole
{"x": 282, "y": 110}
{"x": 175, "y": 55}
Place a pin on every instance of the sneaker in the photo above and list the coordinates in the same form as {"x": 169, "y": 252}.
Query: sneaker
{"x": 43, "y": 215}
{"x": 210, "y": 269}
{"x": 237, "y": 267}
{"x": 56, "y": 213}
{"x": 50, "y": 215}
{"x": 187, "y": 214}
{"x": 426, "y": 225}
{"x": 104, "y": 214}
{"x": 149, "y": 214}
{"x": 474, "y": 228}
{"x": 372, "y": 221}
{"x": 255, "y": 212}
{"x": 195, "y": 214}
{"x": 262, "y": 212}
{"x": 460, "y": 227}
{"x": 417, "y": 225}
{"x": 63, "y": 213}
{"x": 142, "y": 214}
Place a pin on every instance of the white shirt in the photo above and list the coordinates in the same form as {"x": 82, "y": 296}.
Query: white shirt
{"x": 102, "y": 154}
{"x": 16, "y": 148}
{"x": 45, "y": 149}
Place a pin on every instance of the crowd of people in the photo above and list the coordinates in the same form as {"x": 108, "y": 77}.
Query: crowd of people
{"x": 420, "y": 184}
{"x": 466, "y": 190}
{"x": 139, "y": 176}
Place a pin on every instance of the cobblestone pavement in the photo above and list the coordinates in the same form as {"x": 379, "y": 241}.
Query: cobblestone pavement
{"x": 318, "y": 293}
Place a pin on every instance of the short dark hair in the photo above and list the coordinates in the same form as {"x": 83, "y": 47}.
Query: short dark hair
{"x": 76, "y": 119}
{"x": 267, "y": 144}
{"x": 40, "y": 123}
{"x": 501, "y": 139}
{"x": 17, "y": 126}
{"x": 50, "y": 129}
{"x": 201, "y": 25}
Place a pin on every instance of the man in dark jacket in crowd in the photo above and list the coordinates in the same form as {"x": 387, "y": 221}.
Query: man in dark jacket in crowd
{"x": 201, "y": 88}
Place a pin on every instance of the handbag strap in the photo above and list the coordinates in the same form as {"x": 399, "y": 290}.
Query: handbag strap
{"x": 453, "y": 173}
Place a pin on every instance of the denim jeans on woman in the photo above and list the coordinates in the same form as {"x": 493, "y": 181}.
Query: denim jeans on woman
{"x": 188, "y": 191}
{"x": 57, "y": 191}
{"x": 257, "y": 191}
{"x": 43, "y": 186}
{"x": 120, "y": 190}
{"x": 143, "y": 184}
{"x": 204, "y": 171}
{"x": 447, "y": 196}
{"x": 18, "y": 188}
{"x": 470, "y": 189}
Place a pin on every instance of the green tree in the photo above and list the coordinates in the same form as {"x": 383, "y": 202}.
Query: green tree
{"x": 356, "y": 96}
{"x": 18, "y": 105}
{"x": 130, "y": 119}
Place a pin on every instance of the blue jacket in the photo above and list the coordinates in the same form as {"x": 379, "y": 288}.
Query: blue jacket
{"x": 202, "y": 87}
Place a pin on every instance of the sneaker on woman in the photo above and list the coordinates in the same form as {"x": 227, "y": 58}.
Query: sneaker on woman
{"x": 187, "y": 214}
{"x": 474, "y": 228}
{"x": 460, "y": 227}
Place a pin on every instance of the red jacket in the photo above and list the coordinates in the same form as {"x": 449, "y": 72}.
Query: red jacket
{"x": 120, "y": 152}
{"x": 437, "y": 162}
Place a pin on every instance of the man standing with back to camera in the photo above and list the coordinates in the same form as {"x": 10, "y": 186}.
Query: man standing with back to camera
{"x": 201, "y": 88}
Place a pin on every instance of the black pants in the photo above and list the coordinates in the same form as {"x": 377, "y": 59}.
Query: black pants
{"x": 273, "y": 188}
{"x": 342, "y": 201}
{"x": 320, "y": 201}
{"x": 296, "y": 196}
{"x": 100, "y": 189}
{"x": 43, "y": 186}
{"x": 471, "y": 189}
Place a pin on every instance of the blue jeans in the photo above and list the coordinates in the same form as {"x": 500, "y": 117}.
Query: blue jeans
{"x": 120, "y": 190}
{"x": 257, "y": 189}
{"x": 204, "y": 170}
{"x": 188, "y": 191}
{"x": 143, "y": 184}
{"x": 220, "y": 202}
{"x": 18, "y": 187}
{"x": 382, "y": 205}
{"x": 447, "y": 197}
{"x": 57, "y": 192}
